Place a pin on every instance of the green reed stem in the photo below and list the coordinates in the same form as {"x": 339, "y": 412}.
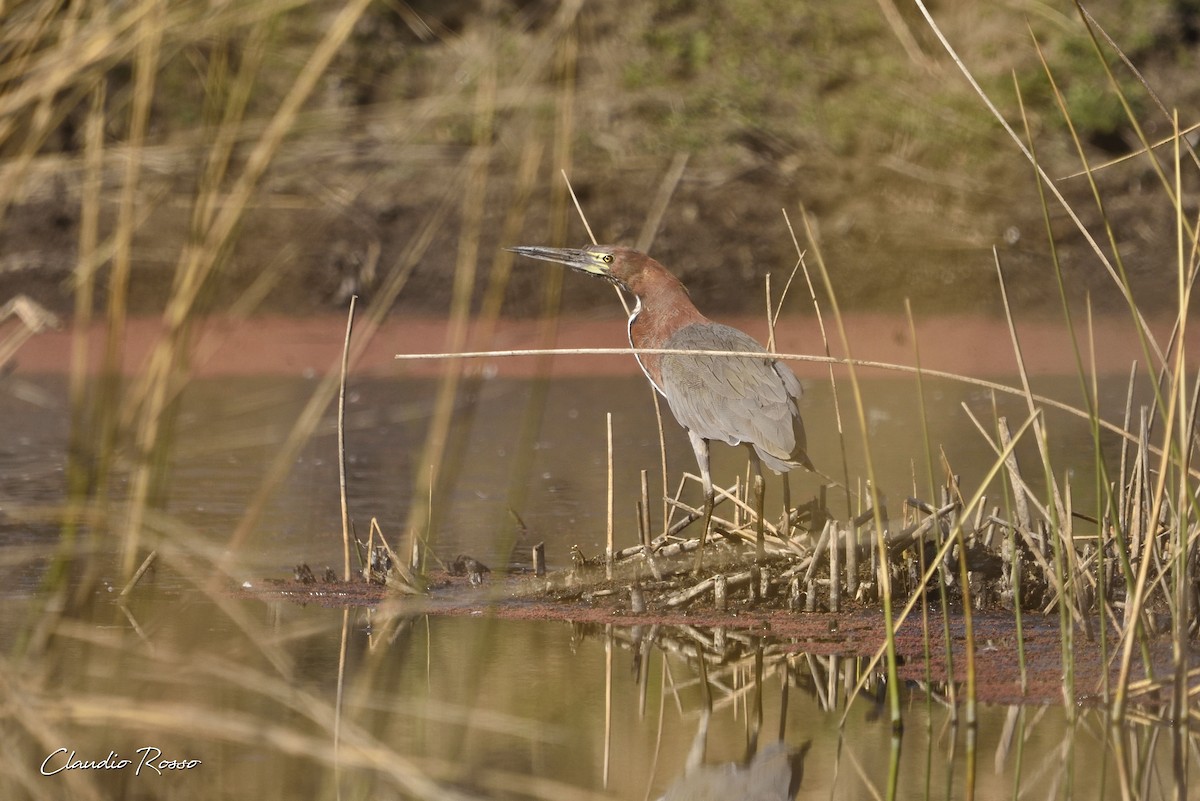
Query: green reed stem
{"x": 884, "y": 577}
{"x": 947, "y": 640}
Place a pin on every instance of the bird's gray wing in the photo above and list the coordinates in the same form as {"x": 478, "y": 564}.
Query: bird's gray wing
{"x": 791, "y": 385}
{"x": 733, "y": 400}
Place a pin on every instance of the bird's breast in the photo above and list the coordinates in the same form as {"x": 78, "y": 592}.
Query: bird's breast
{"x": 638, "y": 339}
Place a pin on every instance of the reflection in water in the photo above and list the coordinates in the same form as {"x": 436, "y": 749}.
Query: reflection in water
{"x": 772, "y": 772}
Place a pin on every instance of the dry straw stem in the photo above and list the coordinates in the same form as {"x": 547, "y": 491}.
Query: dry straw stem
{"x": 837, "y": 404}
{"x": 1168, "y": 186}
{"x": 341, "y": 435}
{"x": 608, "y": 552}
{"x": 1144, "y": 339}
{"x": 1093, "y": 28}
{"x": 797, "y": 357}
{"x": 1176, "y": 407}
{"x": 1058, "y": 518}
{"x": 1091, "y": 400}
{"x": 145, "y": 69}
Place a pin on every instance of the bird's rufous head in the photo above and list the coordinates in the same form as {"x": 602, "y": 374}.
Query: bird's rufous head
{"x": 622, "y": 266}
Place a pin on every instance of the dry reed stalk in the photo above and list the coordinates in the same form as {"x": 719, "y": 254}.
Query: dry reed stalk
{"x": 933, "y": 520}
{"x": 482, "y": 330}
{"x": 1158, "y": 499}
{"x": 822, "y": 544}
{"x": 85, "y": 286}
{"x": 608, "y": 702}
{"x": 1130, "y": 610}
{"x": 759, "y": 514}
{"x": 662, "y": 456}
{"x": 1091, "y": 400}
{"x": 145, "y": 69}
{"x": 608, "y": 550}
{"x": 339, "y": 694}
{"x": 740, "y": 506}
{"x": 514, "y": 218}
{"x": 1171, "y": 188}
{"x": 835, "y": 568}
{"x": 772, "y": 320}
{"x": 662, "y": 198}
{"x": 644, "y": 511}
{"x": 82, "y": 468}
{"x": 730, "y": 528}
{"x": 1094, "y": 27}
{"x": 1036, "y": 545}
{"x": 341, "y": 437}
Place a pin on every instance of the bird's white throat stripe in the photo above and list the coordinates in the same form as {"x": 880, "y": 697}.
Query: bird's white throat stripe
{"x": 637, "y": 309}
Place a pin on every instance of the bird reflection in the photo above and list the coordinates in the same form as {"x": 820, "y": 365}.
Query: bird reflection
{"x": 770, "y": 773}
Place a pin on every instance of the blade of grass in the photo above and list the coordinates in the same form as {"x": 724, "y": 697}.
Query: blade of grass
{"x": 1142, "y": 325}
{"x": 884, "y": 575}
{"x": 952, "y": 689}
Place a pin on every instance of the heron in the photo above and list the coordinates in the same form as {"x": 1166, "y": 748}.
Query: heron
{"x": 731, "y": 399}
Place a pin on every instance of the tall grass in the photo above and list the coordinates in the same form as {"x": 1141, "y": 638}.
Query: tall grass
{"x": 123, "y": 425}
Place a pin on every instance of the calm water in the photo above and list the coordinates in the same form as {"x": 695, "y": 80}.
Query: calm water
{"x": 479, "y": 707}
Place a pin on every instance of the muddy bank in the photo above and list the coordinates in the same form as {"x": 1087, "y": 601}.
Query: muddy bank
{"x": 855, "y": 632}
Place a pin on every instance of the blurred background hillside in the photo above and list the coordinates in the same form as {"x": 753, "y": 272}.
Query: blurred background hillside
{"x": 126, "y": 129}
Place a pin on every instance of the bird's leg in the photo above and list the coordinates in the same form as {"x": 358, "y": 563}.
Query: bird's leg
{"x": 700, "y": 446}
{"x": 786, "y": 529}
{"x": 760, "y": 490}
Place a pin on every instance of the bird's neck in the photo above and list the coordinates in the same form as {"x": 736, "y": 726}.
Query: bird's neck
{"x": 663, "y": 307}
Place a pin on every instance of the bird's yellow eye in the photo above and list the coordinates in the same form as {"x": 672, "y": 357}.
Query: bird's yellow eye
{"x": 607, "y": 258}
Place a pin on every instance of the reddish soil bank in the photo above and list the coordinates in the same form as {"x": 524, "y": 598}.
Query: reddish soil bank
{"x": 856, "y": 632}
{"x": 966, "y": 345}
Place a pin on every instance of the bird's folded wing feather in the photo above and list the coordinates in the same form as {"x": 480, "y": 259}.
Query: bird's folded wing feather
{"x": 731, "y": 399}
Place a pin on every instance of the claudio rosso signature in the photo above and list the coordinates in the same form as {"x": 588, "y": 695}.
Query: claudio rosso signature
{"x": 149, "y": 759}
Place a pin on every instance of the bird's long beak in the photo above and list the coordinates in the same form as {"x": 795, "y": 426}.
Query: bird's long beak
{"x": 576, "y": 258}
